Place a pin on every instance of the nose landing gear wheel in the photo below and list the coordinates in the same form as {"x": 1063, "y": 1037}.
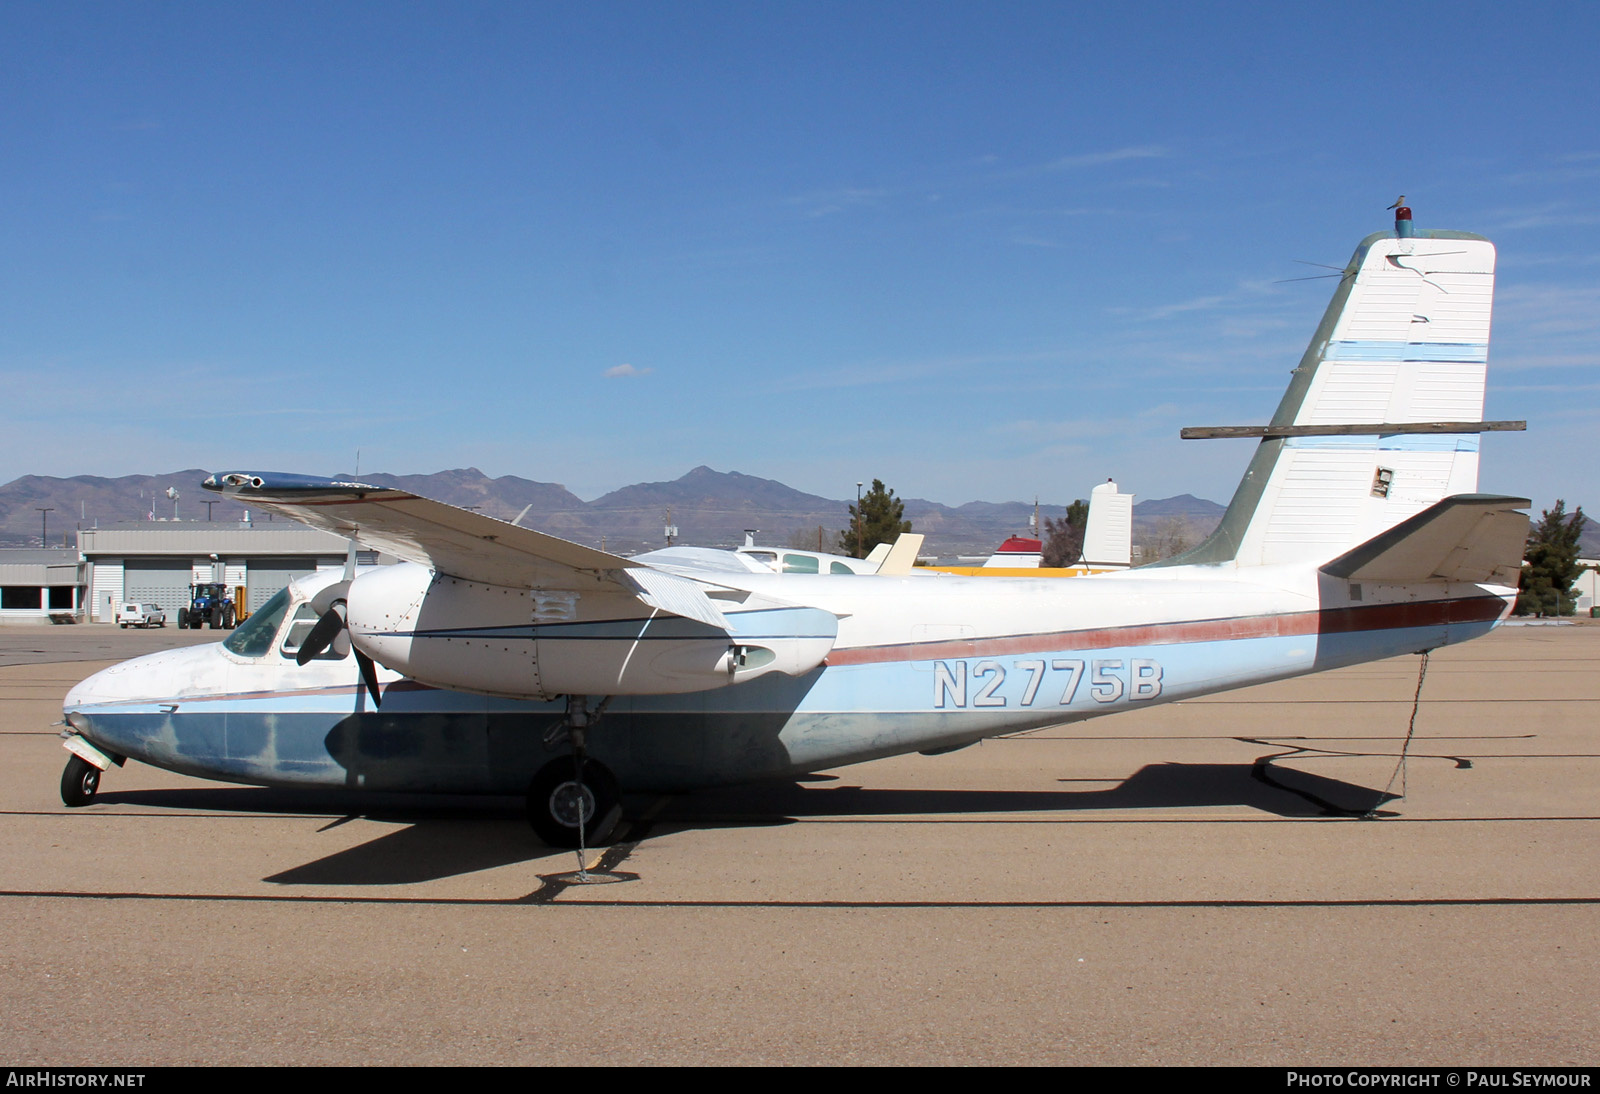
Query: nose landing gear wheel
{"x": 558, "y": 803}
{"x": 79, "y": 781}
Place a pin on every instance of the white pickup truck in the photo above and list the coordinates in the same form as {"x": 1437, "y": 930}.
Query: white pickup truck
{"x": 141, "y": 615}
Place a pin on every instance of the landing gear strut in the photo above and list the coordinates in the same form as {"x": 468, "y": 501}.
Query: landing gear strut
{"x": 79, "y": 782}
{"x": 574, "y": 801}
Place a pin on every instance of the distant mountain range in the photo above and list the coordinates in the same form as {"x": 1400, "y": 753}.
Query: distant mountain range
{"x": 709, "y": 508}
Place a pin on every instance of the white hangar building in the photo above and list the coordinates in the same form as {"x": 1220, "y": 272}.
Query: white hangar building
{"x": 156, "y": 562}
{"x": 36, "y": 584}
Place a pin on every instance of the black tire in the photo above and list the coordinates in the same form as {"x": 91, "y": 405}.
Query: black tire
{"x": 216, "y": 619}
{"x": 124, "y": 626}
{"x": 79, "y": 782}
{"x": 553, "y": 802}
{"x": 227, "y": 618}
{"x": 183, "y": 618}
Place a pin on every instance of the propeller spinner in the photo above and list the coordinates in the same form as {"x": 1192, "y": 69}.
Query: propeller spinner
{"x": 332, "y": 626}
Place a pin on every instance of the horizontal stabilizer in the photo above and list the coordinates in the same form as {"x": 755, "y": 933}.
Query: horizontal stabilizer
{"x": 900, "y": 558}
{"x": 1467, "y": 537}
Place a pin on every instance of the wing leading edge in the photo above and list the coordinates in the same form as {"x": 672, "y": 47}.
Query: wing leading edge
{"x": 461, "y": 543}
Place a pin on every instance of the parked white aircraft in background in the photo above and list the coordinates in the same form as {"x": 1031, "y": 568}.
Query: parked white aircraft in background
{"x": 509, "y": 662}
{"x": 1107, "y": 544}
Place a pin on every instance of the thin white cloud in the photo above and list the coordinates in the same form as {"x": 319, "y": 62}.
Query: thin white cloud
{"x": 828, "y": 202}
{"x": 1115, "y": 155}
{"x": 628, "y": 370}
{"x": 1550, "y": 214}
{"x": 1249, "y": 296}
{"x": 880, "y": 372}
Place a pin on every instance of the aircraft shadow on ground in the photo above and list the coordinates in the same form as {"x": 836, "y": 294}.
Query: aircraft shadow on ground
{"x": 448, "y": 837}
{"x": 442, "y": 836}
{"x": 1271, "y": 788}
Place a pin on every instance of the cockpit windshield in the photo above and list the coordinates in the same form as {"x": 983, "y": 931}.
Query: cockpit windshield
{"x": 254, "y": 636}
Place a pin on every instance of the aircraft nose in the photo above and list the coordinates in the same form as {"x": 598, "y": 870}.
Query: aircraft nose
{"x": 154, "y": 676}
{"x": 106, "y": 686}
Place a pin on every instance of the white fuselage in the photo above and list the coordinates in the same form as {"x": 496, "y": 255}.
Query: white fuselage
{"x": 917, "y": 664}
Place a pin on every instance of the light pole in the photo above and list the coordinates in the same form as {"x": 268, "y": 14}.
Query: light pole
{"x": 44, "y": 520}
{"x": 857, "y": 551}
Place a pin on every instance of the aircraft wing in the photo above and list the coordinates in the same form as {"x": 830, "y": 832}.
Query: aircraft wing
{"x": 1466, "y": 537}
{"x": 459, "y": 542}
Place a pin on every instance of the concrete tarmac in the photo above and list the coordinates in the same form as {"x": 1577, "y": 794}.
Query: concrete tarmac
{"x": 1188, "y": 884}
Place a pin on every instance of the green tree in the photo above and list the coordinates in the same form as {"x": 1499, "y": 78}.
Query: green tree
{"x": 1063, "y": 538}
{"x": 879, "y": 520}
{"x": 1550, "y": 564}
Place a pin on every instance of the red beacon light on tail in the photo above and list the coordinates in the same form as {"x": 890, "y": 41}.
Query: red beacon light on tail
{"x": 1402, "y": 219}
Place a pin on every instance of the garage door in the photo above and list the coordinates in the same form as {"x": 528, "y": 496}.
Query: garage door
{"x": 163, "y": 581}
{"x": 267, "y": 575}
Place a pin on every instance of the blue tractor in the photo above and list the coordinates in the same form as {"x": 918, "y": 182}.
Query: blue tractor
{"x": 208, "y": 603}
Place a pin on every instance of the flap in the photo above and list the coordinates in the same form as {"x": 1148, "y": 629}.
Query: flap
{"x": 676, "y": 596}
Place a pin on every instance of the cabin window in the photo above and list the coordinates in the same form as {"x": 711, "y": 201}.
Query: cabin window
{"x": 839, "y": 568}
{"x": 800, "y": 564}
{"x": 768, "y": 559}
{"x": 254, "y": 636}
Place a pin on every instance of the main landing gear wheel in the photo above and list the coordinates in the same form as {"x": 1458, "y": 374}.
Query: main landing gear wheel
{"x": 557, "y": 802}
{"x": 79, "y": 781}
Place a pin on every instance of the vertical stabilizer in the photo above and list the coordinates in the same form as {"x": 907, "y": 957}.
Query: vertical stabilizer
{"x": 1404, "y": 341}
{"x": 1108, "y": 533}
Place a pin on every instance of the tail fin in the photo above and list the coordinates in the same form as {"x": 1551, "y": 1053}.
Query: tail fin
{"x": 902, "y": 556}
{"x": 1404, "y": 342}
{"x": 1108, "y": 533}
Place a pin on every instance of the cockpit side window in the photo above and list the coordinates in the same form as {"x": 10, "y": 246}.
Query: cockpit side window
{"x": 305, "y": 617}
{"x": 254, "y": 636}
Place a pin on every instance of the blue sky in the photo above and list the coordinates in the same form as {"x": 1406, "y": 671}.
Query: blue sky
{"x": 978, "y": 251}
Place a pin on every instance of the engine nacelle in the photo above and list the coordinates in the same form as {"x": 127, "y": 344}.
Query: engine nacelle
{"x": 537, "y": 644}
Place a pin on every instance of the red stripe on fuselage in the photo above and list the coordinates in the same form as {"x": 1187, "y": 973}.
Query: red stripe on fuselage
{"x": 1377, "y": 617}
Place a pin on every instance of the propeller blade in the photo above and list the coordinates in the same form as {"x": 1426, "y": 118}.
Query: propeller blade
{"x": 369, "y": 677}
{"x": 321, "y": 636}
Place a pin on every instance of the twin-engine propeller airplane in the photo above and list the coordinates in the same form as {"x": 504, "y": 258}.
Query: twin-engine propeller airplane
{"x": 499, "y": 660}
